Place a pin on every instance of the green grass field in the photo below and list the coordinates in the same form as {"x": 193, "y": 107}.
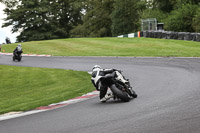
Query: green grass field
{"x": 25, "y": 88}
{"x": 111, "y": 47}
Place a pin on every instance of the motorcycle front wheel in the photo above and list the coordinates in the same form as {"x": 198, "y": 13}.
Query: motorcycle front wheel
{"x": 13, "y": 58}
{"x": 19, "y": 59}
{"x": 119, "y": 93}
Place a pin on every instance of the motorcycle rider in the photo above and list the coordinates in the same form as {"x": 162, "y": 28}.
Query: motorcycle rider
{"x": 8, "y": 40}
{"x": 18, "y": 50}
{"x": 97, "y": 73}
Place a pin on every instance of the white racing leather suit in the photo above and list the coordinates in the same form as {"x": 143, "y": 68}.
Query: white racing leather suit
{"x": 96, "y": 76}
{"x": 18, "y": 50}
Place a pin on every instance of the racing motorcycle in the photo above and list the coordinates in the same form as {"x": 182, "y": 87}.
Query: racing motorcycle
{"x": 119, "y": 86}
{"x": 17, "y": 56}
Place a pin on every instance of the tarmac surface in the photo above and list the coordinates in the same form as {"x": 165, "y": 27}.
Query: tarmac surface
{"x": 168, "y": 98}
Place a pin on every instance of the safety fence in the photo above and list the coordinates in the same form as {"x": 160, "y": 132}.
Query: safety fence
{"x": 171, "y": 35}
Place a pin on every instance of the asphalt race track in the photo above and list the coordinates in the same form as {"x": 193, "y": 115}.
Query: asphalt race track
{"x": 168, "y": 98}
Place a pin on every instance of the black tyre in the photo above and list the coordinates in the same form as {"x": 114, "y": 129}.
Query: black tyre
{"x": 13, "y": 58}
{"x": 20, "y": 57}
{"x": 119, "y": 93}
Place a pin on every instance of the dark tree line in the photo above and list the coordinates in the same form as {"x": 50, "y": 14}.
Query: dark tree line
{"x": 177, "y": 15}
{"x": 42, "y": 19}
{"x": 52, "y": 19}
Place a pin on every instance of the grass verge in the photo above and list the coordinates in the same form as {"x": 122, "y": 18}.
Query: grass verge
{"x": 111, "y": 47}
{"x": 25, "y": 88}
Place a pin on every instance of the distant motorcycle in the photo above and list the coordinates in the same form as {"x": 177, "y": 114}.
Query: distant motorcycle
{"x": 119, "y": 85}
{"x": 17, "y": 56}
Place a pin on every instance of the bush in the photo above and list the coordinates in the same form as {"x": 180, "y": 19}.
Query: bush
{"x": 181, "y": 19}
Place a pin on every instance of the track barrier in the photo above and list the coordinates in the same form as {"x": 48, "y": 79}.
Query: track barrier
{"x": 171, "y": 35}
{"x": 131, "y": 35}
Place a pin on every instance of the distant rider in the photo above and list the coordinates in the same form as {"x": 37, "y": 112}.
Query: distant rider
{"x": 18, "y": 50}
{"x": 98, "y": 73}
{"x": 8, "y": 40}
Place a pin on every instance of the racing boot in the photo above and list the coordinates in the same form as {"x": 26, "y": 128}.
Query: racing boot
{"x": 133, "y": 94}
{"x": 106, "y": 97}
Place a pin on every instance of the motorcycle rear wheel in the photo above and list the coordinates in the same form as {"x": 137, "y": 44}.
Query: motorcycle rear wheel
{"x": 119, "y": 93}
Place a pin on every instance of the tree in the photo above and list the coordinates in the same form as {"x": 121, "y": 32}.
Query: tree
{"x": 125, "y": 17}
{"x": 42, "y": 20}
{"x": 163, "y": 5}
{"x": 96, "y": 21}
{"x": 169, "y": 5}
{"x": 154, "y": 13}
{"x": 196, "y": 21}
{"x": 181, "y": 19}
